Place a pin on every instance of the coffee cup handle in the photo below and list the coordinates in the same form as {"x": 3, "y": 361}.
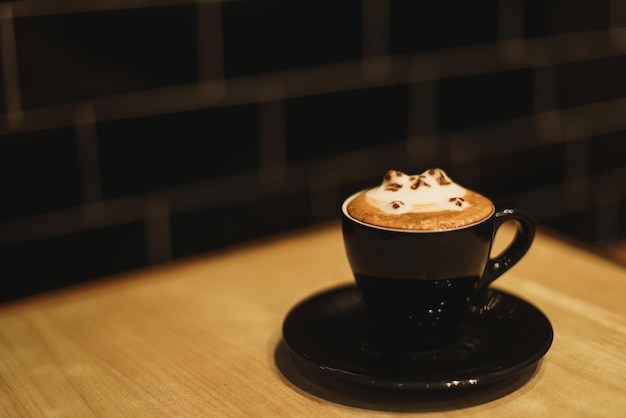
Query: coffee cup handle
{"x": 517, "y": 248}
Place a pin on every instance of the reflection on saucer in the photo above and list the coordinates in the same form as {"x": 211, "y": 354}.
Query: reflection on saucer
{"x": 312, "y": 380}
{"x": 503, "y": 336}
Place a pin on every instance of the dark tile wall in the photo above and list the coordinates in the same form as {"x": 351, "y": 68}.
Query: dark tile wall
{"x": 429, "y": 26}
{"x": 78, "y": 56}
{"x": 139, "y": 135}
{"x": 579, "y": 81}
{"x": 156, "y": 152}
{"x": 53, "y": 262}
{"x": 478, "y": 99}
{"x": 531, "y": 169}
{"x": 607, "y": 152}
{"x": 551, "y": 17}
{"x": 275, "y": 35}
{"x": 206, "y": 229}
{"x": 323, "y": 125}
{"x": 39, "y": 172}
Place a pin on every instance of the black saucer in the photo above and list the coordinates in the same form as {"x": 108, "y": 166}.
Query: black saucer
{"x": 502, "y": 336}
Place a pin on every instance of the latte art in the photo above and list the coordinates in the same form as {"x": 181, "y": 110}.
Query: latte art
{"x": 426, "y": 201}
{"x": 427, "y": 192}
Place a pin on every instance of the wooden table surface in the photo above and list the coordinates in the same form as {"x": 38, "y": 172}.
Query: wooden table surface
{"x": 202, "y": 337}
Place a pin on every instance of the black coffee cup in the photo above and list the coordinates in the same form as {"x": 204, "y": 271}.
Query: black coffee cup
{"x": 417, "y": 285}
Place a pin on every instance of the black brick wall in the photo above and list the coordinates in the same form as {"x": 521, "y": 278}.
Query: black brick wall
{"x": 135, "y": 136}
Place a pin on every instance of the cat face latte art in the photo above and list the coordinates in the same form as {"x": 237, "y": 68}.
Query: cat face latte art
{"x": 426, "y": 201}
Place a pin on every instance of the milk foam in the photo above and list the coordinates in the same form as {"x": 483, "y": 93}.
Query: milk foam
{"x": 431, "y": 191}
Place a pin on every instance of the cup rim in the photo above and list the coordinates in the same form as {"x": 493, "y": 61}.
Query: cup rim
{"x": 344, "y": 210}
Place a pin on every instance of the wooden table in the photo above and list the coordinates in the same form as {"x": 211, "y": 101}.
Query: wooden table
{"x": 202, "y": 337}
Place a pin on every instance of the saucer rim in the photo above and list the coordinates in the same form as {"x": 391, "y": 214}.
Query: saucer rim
{"x": 406, "y": 383}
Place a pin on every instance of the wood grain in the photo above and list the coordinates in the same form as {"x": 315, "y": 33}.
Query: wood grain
{"x": 202, "y": 337}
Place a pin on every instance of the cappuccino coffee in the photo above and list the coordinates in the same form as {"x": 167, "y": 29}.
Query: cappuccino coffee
{"x": 419, "y": 247}
{"x": 430, "y": 201}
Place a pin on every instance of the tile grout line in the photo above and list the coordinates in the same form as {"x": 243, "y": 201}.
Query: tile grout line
{"x": 375, "y": 38}
{"x": 88, "y": 156}
{"x": 11, "y": 82}
{"x": 157, "y": 230}
{"x": 511, "y": 30}
{"x": 422, "y": 141}
{"x": 210, "y": 37}
{"x": 510, "y": 19}
{"x": 272, "y": 140}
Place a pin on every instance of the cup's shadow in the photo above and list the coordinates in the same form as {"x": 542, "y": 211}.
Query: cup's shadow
{"x": 319, "y": 384}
